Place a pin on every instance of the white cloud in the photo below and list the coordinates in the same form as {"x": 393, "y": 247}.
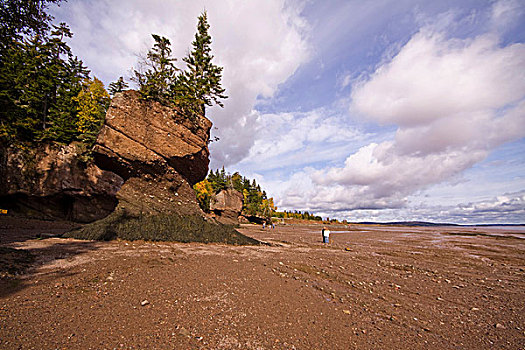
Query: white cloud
{"x": 506, "y": 13}
{"x": 259, "y": 43}
{"x": 453, "y": 101}
{"x": 507, "y": 208}
{"x": 434, "y": 78}
{"x": 510, "y": 206}
{"x": 299, "y": 139}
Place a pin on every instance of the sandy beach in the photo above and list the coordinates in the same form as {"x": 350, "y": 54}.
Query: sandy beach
{"x": 372, "y": 287}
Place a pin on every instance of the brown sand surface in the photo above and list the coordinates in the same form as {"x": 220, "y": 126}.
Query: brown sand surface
{"x": 372, "y": 287}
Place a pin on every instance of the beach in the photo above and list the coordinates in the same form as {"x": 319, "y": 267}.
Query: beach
{"x": 371, "y": 287}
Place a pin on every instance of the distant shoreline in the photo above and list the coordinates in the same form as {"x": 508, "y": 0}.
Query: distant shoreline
{"x": 418, "y": 223}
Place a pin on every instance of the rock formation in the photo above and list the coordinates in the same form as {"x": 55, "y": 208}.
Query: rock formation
{"x": 146, "y": 159}
{"x": 53, "y": 183}
{"x": 227, "y": 206}
{"x": 138, "y": 184}
{"x": 159, "y": 153}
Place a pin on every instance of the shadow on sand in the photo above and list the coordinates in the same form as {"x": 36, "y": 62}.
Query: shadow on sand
{"x": 18, "y": 260}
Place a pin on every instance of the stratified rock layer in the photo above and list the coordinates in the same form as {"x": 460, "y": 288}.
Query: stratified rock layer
{"x": 53, "y": 183}
{"x": 141, "y": 137}
{"x": 159, "y": 153}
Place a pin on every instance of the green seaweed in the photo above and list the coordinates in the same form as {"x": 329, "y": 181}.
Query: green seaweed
{"x": 160, "y": 227}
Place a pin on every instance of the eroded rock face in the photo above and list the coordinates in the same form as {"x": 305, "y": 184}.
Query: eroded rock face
{"x": 227, "y": 206}
{"x": 52, "y": 182}
{"x": 159, "y": 153}
{"x": 146, "y": 159}
{"x": 144, "y": 137}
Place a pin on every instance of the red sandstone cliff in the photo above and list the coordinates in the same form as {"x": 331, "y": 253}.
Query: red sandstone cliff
{"x": 146, "y": 159}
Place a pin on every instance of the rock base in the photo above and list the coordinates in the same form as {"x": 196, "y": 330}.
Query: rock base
{"x": 162, "y": 227}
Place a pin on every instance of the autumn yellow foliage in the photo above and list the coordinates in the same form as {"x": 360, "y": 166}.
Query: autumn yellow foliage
{"x": 93, "y": 101}
{"x": 204, "y": 193}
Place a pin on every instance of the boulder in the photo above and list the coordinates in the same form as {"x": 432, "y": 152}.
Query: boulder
{"x": 144, "y": 137}
{"x": 227, "y": 206}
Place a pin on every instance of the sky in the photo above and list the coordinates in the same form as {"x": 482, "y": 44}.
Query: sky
{"x": 379, "y": 110}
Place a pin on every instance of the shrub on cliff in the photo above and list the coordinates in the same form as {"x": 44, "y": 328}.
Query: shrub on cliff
{"x": 117, "y": 86}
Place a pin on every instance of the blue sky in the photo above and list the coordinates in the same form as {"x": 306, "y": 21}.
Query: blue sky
{"x": 359, "y": 110}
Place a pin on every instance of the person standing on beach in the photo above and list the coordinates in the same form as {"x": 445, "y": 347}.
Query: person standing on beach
{"x": 326, "y": 235}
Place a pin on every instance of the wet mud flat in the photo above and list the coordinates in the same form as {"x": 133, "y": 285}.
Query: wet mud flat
{"x": 371, "y": 287}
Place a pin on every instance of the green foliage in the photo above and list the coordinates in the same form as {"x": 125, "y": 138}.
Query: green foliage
{"x": 200, "y": 84}
{"x": 20, "y": 18}
{"x": 161, "y": 227}
{"x": 255, "y": 201}
{"x": 39, "y": 81}
{"x": 219, "y": 180}
{"x": 297, "y": 215}
{"x": 117, "y": 86}
{"x": 157, "y": 72}
{"x": 192, "y": 89}
{"x": 93, "y": 102}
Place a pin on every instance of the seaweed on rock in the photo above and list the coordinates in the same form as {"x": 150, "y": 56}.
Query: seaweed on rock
{"x": 161, "y": 227}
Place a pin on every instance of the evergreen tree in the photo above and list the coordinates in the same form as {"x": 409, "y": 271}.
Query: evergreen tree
{"x": 38, "y": 79}
{"x": 20, "y": 18}
{"x": 200, "y": 84}
{"x": 117, "y": 86}
{"x": 157, "y": 72}
{"x": 236, "y": 181}
{"x": 65, "y": 77}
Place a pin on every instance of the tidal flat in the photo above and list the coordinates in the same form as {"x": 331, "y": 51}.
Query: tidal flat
{"x": 372, "y": 287}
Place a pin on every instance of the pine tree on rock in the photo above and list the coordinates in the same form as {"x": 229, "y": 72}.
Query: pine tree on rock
{"x": 39, "y": 76}
{"x": 157, "y": 72}
{"x": 200, "y": 84}
{"x": 117, "y": 86}
{"x": 64, "y": 82}
{"x": 19, "y": 18}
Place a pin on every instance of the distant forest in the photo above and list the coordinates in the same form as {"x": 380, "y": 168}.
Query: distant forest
{"x": 256, "y": 202}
